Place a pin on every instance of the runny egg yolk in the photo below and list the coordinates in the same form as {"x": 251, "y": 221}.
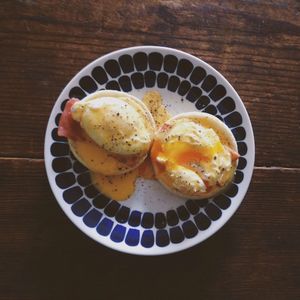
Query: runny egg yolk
{"x": 184, "y": 154}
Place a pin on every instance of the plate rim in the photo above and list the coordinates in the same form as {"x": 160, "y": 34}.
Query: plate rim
{"x": 135, "y": 250}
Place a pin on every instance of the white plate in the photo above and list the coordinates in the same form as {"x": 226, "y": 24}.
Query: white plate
{"x": 152, "y": 221}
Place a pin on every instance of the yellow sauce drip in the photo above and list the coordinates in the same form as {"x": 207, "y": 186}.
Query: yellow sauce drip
{"x": 153, "y": 101}
{"x": 119, "y": 187}
{"x": 95, "y": 158}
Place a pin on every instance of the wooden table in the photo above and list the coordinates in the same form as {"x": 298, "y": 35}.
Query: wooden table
{"x": 255, "y": 44}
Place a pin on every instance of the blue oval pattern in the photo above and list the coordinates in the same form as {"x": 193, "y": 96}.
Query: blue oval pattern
{"x": 132, "y": 237}
{"x": 80, "y": 207}
{"x": 105, "y": 226}
{"x": 118, "y": 233}
{"x": 162, "y": 238}
{"x": 147, "y": 239}
{"x": 92, "y": 218}
{"x": 106, "y": 215}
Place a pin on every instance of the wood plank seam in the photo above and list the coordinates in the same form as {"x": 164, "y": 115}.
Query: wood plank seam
{"x": 268, "y": 168}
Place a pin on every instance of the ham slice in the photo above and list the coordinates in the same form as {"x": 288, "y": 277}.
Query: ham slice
{"x": 234, "y": 154}
{"x": 68, "y": 127}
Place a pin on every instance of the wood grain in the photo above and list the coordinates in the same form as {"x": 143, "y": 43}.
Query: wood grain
{"x": 44, "y": 256}
{"x": 255, "y": 45}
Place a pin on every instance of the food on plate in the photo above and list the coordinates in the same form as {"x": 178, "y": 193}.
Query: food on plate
{"x": 121, "y": 187}
{"x": 117, "y": 187}
{"x": 194, "y": 155}
{"x": 109, "y": 132}
{"x": 146, "y": 170}
{"x": 154, "y": 102}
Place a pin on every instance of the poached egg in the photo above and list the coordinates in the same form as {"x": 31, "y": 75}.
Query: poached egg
{"x": 116, "y": 134}
{"x": 194, "y": 155}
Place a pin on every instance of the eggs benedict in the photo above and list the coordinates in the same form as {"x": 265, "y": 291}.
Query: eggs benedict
{"x": 194, "y": 155}
{"x": 109, "y": 132}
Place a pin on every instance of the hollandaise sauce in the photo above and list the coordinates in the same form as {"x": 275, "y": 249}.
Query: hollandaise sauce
{"x": 121, "y": 187}
{"x": 153, "y": 101}
{"x": 118, "y": 187}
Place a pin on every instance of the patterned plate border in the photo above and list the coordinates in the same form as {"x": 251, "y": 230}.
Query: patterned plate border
{"x": 114, "y": 224}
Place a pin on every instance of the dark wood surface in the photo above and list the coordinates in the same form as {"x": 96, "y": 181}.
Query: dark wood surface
{"x": 255, "y": 44}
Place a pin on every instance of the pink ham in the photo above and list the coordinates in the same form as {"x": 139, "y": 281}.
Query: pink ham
{"x": 68, "y": 127}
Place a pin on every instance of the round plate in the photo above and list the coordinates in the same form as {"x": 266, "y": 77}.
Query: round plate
{"x": 152, "y": 221}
